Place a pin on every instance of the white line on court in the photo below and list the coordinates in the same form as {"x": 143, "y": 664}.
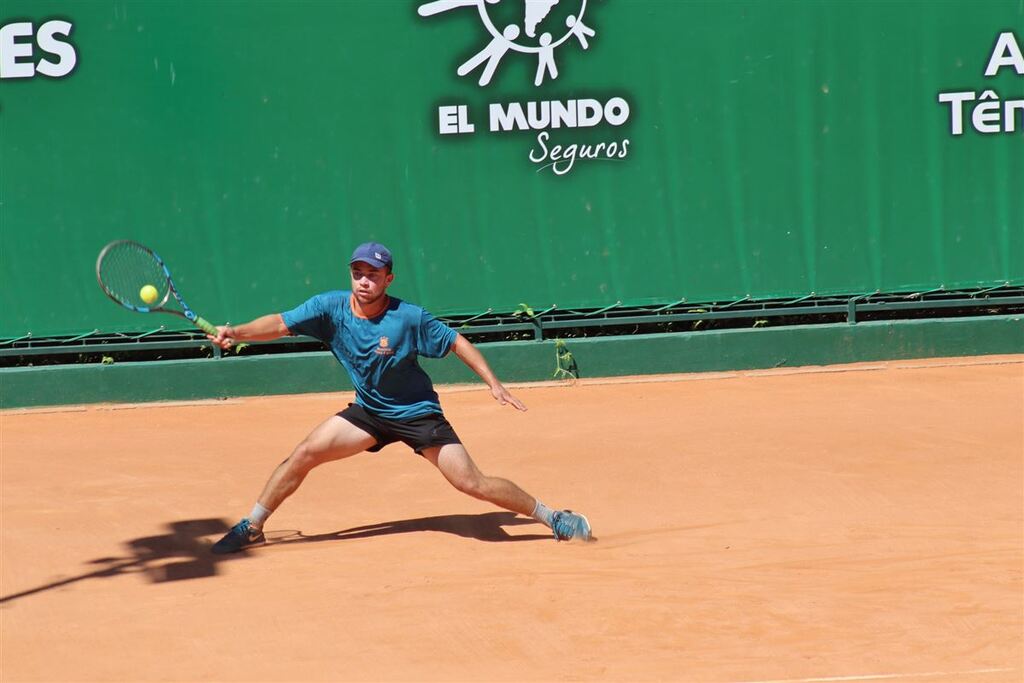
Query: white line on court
{"x": 881, "y": 677}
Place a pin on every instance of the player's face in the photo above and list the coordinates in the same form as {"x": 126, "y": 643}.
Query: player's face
{"x": 369, "y": 283}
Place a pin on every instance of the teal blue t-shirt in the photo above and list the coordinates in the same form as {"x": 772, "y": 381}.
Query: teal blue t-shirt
{"x": 379, "y": 353}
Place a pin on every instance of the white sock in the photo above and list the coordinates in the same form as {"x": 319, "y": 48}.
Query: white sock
{"x": 258, "y": 515}
{"x": 542, "y": 513}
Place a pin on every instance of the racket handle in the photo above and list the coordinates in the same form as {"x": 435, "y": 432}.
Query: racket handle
{"x": 205, "y": 326}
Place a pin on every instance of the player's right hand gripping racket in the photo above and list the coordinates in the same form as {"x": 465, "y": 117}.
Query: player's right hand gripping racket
{"x": 124, "y": 268}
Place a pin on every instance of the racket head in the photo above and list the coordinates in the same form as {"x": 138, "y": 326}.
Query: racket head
{"x": 124, "y": 267}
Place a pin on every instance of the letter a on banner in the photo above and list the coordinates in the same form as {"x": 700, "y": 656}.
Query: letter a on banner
{"x": 1007, "y": 52}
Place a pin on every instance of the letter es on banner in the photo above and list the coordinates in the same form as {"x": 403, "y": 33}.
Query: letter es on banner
{"x": 50, "y": 54}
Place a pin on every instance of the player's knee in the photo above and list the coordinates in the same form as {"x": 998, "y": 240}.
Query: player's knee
{"x": 306, "y": 456}
{"x": 472, "y": 486}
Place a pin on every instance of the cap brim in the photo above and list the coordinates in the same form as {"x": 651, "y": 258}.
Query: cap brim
{"x": 372, "y": 261}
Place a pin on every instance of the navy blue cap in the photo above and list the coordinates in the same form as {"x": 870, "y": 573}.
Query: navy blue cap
{"x": 374, "y": 253}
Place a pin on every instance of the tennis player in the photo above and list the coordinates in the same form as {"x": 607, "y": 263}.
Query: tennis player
{"x": 377, "y": 338}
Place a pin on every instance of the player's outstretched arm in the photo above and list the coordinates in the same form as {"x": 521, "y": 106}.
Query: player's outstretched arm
{"x": 469, "y": 355}
{"x": 265, "y": 328}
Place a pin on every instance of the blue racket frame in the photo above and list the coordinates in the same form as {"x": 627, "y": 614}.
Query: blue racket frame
{"x": 186, "y": 312}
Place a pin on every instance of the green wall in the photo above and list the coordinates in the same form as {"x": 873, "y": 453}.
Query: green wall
{"x": 744, "y": 349}
{"x": 776, "y": 148}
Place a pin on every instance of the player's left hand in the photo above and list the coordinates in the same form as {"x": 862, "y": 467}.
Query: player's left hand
{"x": 501, "y": 395}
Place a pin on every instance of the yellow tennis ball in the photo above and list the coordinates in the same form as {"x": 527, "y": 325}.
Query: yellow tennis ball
{"x": 148, "y": 294}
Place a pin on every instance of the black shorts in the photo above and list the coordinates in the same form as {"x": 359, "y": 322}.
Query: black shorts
{"x": 417, "y": 433}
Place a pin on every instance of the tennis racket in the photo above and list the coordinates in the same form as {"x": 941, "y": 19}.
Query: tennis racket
{"x": 124, "y": 268}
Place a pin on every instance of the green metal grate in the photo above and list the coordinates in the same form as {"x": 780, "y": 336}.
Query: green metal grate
{"x": 553, "y": 322}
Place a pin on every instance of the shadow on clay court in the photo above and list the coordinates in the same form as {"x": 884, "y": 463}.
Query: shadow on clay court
{"x": 184, "y": 551}
{"x": 181, "y": 553}
{"x": 488, "y": 527}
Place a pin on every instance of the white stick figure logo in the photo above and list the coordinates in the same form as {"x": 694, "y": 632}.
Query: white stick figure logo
{"x": 509, "y": 38}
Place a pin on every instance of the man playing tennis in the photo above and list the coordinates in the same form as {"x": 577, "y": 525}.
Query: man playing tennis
{"x": 377, "y": 338}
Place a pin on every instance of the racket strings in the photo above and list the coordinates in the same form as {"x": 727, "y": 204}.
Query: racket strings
{"x": 126, "y": 268}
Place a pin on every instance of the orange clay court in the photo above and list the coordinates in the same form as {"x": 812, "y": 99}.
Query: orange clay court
{"x": 851, "y": 523}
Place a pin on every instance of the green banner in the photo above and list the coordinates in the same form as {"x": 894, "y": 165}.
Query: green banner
{"x": 567, "y": 152}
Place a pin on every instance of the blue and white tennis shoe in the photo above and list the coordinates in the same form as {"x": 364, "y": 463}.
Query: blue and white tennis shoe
{"x": 568, "y": 526}
{"x": 242, "y": 535}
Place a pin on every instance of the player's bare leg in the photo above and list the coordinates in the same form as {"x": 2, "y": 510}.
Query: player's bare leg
{"x": 334, "y": 439}
{"x": 461, "y": 472}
